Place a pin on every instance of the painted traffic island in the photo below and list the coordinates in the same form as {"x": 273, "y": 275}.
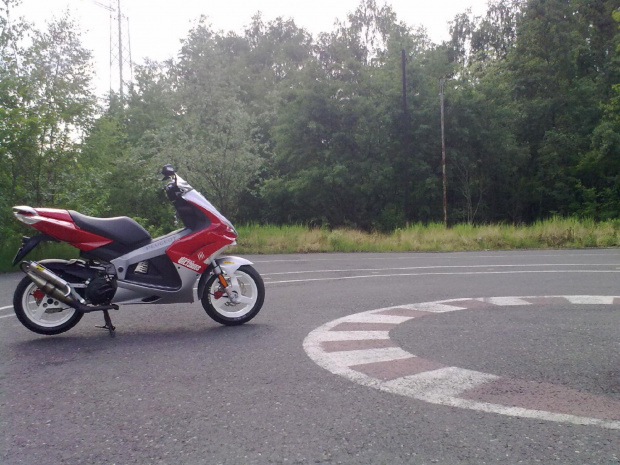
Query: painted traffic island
{"x": 364, "y": 348}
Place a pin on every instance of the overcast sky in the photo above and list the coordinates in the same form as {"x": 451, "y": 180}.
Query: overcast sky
{"x": 157, "y": 26}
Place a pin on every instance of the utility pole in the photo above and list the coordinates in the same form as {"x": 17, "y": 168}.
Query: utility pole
{"x": 120, "y": 51}
{"x": 405, "y": 137}
{"x": 120, "y": 48}
{"x": 443, "y": 157}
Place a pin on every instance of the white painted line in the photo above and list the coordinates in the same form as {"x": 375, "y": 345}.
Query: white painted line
{"x": 354, "y": 335}
{"x": 334, "y": 366}
{"x": 470, "y": 273}
{"x": 590, "y": 300}
{"x": 8, "y": 306}
{"x": 373, "y": 318}
{"x": 434, "y": 307}
{"x": 435, "y": 267}
{"x": 528, "y": 413}
{"x": 507, "y": 301}
{"x": 7, "y": 316}
{"x": 439, "y": 386}
{"x": 417, "y": 255}
{"x": 351, "y": 358}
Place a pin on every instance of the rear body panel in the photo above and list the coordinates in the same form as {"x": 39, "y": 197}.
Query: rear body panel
{"x": 59, "y": 225}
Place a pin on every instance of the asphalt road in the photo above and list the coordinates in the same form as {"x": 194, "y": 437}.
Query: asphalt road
{"x": 174, "y": 387}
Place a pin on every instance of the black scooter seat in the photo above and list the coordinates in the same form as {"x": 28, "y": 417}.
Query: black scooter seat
{"x": 120, "y": 229}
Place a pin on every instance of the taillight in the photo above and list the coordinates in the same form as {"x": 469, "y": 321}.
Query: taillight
{"x": 26, "y": 215}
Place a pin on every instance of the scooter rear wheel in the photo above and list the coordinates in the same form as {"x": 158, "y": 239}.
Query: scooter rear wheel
{"x": 41, "y": 313}
{"x": 249, "y": 290}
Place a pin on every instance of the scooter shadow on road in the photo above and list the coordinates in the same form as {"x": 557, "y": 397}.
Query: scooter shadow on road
{"x": 140, "y": 338}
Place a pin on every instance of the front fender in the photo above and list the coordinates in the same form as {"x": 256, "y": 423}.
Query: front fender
{"x": 228, "y": 264}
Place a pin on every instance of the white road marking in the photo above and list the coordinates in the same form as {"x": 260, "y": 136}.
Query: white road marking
{"x": 354, "y": 335}
{"x": 392, "y": 275}
{"x": 530, "y": 413}
{"x": 360, "y": 357}
{"x": 435, "y": 267}
{"x": 433, "y": 307}
{"x": 8, "y": 315}
{"x": 416, "y": 255}
{"x": 374, "y": 318}
{"x": 589, "y": 299}
{"x": 507, "y": 301}
{"x": 438, "y": 386}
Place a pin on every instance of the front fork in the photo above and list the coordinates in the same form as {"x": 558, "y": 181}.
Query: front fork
{"x": 217, "y": 270}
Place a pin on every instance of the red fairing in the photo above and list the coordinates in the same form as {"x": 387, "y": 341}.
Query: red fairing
{"x": 191, "y": 251}
{"x": 59, "y": 225}
{"x": 55, "y": 213}
{"x": 187, "y": 250}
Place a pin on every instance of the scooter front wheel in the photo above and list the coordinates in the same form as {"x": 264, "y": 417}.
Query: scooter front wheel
{"x": 249, "y": 293}
{"x": 41, "y": 313}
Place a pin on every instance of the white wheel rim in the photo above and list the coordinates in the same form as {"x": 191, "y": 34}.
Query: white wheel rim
{"x": 247, "y": 294}
{"x": 46, "y": 312}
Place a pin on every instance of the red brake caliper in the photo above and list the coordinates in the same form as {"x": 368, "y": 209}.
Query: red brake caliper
{"x": 38, "y": 294}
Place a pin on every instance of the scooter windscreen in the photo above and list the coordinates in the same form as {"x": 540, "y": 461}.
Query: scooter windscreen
{"x": 189, "y": 194}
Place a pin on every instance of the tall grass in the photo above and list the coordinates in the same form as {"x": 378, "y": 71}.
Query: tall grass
{"x": 269, "y": 239}
{"x": 552, "y": 233}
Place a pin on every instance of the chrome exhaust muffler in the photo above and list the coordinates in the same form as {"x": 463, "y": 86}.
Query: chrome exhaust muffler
{"x": 56, "y": 287}
{"x": 50, "y": 283}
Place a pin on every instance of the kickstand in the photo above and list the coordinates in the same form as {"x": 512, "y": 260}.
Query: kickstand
{"x": 108, "y": 323}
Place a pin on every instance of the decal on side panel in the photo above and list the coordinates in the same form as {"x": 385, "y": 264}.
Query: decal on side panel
{"x": 187, "y": 263}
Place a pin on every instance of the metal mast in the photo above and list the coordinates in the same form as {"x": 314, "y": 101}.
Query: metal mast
{"x": 120, "y": 47}
{"x": 443, "y": 156}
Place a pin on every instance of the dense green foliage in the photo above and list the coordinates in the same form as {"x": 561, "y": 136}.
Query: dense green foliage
{"x": 277, "y": 126}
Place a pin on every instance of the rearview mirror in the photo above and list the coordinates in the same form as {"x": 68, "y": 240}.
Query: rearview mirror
{"x": 167, "y": 171}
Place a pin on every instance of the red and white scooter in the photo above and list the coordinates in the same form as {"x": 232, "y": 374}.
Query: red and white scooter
{"x": 121, "y": 264}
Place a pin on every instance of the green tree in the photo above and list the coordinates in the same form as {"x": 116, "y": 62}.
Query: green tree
{"x": 339, "y": 154}
{"x": 47, "y": 105}
{"x": 59, "y": 73}
{"x": 560, "y": 77}
{"x": 208, "y": 132}
{"x": 598, "y": 171}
